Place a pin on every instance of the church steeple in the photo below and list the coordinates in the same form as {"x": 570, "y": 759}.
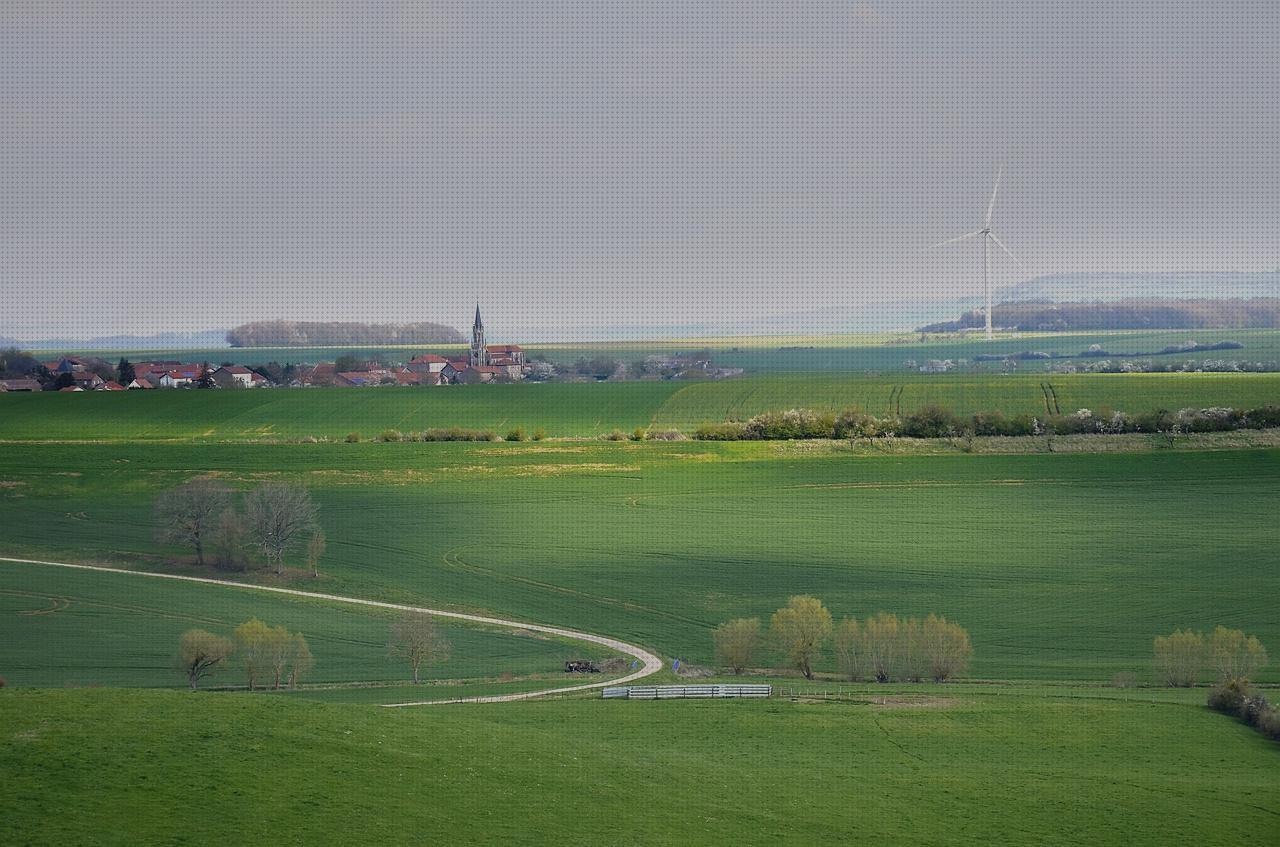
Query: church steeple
{"x": 479, "y": 353}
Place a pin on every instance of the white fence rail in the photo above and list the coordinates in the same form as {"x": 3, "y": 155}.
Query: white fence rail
{"x": 669, "y": 692}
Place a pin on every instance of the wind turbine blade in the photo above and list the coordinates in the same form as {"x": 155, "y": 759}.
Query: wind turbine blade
{"x": 1007, "y": 251}
{"x": 991, "y": 207}
{"x": 953, "y": 240}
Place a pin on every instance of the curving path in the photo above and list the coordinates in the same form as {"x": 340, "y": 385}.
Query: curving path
{"x": 651, "y": 663}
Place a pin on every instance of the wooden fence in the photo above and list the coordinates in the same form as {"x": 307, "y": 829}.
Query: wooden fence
{"x": 669, "y": 692}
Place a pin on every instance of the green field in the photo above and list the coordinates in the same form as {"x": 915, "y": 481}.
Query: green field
{"x": 848, "y": 353}
{"x": 62, "y": 627}
{"x": 960, "y": 767}
{"x": 1061, "y": 566}
{"x": 586, "y": 409}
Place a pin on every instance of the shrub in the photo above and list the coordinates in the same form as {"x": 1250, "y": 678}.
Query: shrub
{"x": 391, "y": 435}
{"x": 1253, "y": 707}
{"x": 1124, "y": 679}
{"x": 666, "y": 435}
{"x": 1269, "y": 724}
{"x": 616, "y": 435}
{"x": 3, "y": 682}
{"x": 457, "y": 434}
{"x": 930, "y": 422}
{"x": 728, "y": 431}
{"x": 854, "y": 423}
{"x": 1263, "y": 417}
{"x": 539, "y": 434}
{"x": 791, "y": 424}
{"x": 639, "y": 434}
{"x": 1228, "y": 697}
{"x": 352, "y": 438}
{"x": 516, "y": 434}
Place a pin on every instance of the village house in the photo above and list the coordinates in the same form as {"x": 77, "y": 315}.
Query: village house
{"x": 236, "y": 376}
{"x": 20, "y": 385}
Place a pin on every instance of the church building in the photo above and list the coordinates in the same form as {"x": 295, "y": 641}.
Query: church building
{"x": 487, "y": 362}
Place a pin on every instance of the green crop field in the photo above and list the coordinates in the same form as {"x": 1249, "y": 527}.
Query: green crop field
{"x": 849, "y": 353}
{"x": 66, "y": 627}
{"x": 1061, "y": 566}
{"x": 587, "y": 409}
{"x": 956, "y": 767}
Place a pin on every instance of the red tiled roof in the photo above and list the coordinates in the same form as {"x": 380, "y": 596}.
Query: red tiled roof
{"x": 112, "y": 386}
{"x": 427, "y": 359}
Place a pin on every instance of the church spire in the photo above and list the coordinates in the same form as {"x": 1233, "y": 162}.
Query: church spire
{"x": 479, "y": 352}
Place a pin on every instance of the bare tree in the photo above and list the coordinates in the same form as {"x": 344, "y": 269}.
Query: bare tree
{"x": 1235, "y": 656}
{"x": 278, "y": 513}
{"x": 316, "y": 546}
{"x": 881, "y": 640}
{"x": 279, "y": 653}
{"x": 736, "y": 642}
{"x": 851, "y": 650}
{"x": 415, "y": 637}
{"x": 800, "y": 629}
{"x": 944, "y": 647}
{"x": 301, "y": 661}
{"x": 200, "y": 653}
{"x": 253, "y": 642}
{"x": 1179, "y": 657}
{"x": 228, "y": 540}
{"x": 186, "y": 514}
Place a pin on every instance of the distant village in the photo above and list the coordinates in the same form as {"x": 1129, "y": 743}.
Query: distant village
{"x": 483, "y": 363}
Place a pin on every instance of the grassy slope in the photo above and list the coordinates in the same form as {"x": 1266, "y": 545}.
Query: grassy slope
{"x": 63, "y": 627}
{"x": 1061, "y": 566}
{"x": 585, "y": 409}
{"x": 1013, "y": 768}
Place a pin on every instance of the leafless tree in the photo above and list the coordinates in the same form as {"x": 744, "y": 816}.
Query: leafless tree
{"x": 200, "y": 653}
{"x": 736, "y": 642}
{"x": 944, "y": 647}
{"x": 278, "y": 514}
{"x": 851, "y": 650}
{"x": 882, "y": 642}
{"x": 316, "y": 546}
{"x": 253, "y": 642}
{"x": 1234, "y": 655}
{"x": 228, "y": 539}
{"x": 415, "y": 637}
{"x": 1179, "y": 658}
{"x": 186, "y": 514}
{"x": 301, "y": 661}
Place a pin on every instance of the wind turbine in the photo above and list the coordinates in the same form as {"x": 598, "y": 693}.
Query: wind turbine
{"x": 988, "y": 237}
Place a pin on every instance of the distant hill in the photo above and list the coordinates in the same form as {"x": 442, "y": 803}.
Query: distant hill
{"x": 334, "y": 333}
{"x": 1154, "y": 313}
{"x": 1092, "y": 287}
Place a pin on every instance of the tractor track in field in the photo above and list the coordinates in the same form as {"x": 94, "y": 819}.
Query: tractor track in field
{"x": 651, "y": 664}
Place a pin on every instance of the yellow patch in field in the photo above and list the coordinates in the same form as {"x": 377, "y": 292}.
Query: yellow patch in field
{"x": 556, "y": 470}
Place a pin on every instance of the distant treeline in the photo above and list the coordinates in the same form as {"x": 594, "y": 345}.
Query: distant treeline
{"x": 338, "y": 334}
{"x": 1154, "y": 313}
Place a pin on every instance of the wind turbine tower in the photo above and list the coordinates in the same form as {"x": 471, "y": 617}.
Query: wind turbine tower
{"x": 988, "y": 237}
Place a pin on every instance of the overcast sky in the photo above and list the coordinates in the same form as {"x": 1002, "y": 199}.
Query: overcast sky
{"x": 582, "y": 168}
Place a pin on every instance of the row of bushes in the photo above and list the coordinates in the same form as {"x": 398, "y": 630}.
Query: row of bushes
{"x": 1181, "y": 657}
{"x": 938, "y": 422}
{"x": 1235, "y": 698}
{"x": 450, "y": 434}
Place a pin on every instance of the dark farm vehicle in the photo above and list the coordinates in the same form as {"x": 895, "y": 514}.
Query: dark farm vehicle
{"x": 580, "y": 666}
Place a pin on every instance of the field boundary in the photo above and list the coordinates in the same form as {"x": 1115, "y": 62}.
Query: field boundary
{"x": 651, "y": 664}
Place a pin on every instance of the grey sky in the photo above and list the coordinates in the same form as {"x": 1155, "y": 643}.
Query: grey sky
{"x": 583, "y": 167}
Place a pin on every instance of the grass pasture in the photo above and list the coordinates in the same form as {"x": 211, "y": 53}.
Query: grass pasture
{"x": 831, "y": 353}
{"x": 952, "y": 766}
{"x": 583, "y": 410}
{"x": 63, "y": 627}
{"x": 1061, "y": 566}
